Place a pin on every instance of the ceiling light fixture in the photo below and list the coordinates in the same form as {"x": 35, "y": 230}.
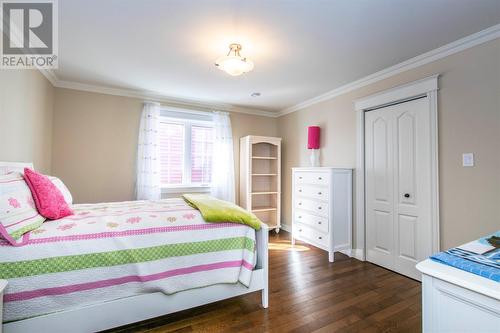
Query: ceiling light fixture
{"x": 233, "y": 63}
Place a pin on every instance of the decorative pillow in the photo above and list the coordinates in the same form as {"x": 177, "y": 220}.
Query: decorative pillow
{"x": 63, "y": 188}
{"x": 48, "y": 199}
{"x": 18, "y": 214}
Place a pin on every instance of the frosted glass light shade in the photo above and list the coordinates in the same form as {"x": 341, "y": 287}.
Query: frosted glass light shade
{"x": 234, "y": 65}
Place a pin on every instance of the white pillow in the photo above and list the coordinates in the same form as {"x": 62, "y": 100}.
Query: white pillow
{"x": 18, "y": 214}
{"x": 64, "y": 190}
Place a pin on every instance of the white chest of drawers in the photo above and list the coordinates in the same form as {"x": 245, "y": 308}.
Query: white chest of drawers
{"x": 322, "y": 208}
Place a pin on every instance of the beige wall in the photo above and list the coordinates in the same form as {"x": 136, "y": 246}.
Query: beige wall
{"x": 95, "y": 143}
{"x": 89, "y": 139}
{"x": 469, "y": 121}
{"x": 26, "y": 104}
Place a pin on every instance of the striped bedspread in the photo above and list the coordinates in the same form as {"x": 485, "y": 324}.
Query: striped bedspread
{"x": 115, "y": 250}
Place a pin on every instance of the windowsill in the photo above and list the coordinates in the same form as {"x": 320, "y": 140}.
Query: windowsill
{"x": 185, "y": 189}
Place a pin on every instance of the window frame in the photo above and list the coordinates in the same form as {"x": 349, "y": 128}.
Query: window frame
{"x": 188, "y": 119}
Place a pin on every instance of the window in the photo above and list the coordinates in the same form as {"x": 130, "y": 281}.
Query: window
{"x": 186, "y": 144}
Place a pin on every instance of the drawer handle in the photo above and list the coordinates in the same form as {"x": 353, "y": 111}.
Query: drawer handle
{"x": 319, "y": 193}
{"x": 319, "y": 222}
{"x": 320, "y": 237}
{"x": 300, "y": 217}
{"x": 300, "y": 190}
{"x": 300, "y": 177}
{"x": 319, "y": 178}
{"x": 300, "y": 203}
{"x": 319, "y": 207}
{"x": 300, "y": 230}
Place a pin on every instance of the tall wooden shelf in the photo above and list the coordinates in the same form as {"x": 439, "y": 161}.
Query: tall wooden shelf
{"x": 260, "y": 178}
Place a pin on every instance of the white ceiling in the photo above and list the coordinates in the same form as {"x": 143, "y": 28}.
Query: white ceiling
{"x": 301, "y": 49}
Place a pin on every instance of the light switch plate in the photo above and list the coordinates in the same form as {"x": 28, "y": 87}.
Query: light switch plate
{"x": 468, "y": 159}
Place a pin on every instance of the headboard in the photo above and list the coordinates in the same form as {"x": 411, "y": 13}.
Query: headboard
{"x": 6, "y": 167}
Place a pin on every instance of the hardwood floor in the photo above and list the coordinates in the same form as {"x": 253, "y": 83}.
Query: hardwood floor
{"x": 308, "y": 294}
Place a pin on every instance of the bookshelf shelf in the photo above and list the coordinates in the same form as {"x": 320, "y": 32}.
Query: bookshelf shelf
{"x": 264, "y": 158}
{"x": 260, "y": 178}
{"x": 263, "y": 209}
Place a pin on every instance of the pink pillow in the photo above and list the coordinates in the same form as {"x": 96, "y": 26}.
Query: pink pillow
{"x": 48, "y": 199}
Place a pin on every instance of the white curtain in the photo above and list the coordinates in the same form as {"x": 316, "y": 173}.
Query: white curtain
{"x": 148, "y": 154}
{"x": 223, "y": 161}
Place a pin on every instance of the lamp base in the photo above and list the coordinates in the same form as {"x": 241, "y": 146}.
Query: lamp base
{"x": 314, "y": 157}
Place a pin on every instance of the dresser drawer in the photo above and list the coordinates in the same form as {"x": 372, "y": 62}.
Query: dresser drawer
{"x": 316, "y": 207}
{"x": 312, "y": 191}
{"x": 316, "y": 178}
{"x": 317, "y": 222}
{"x": 310, "y": 235}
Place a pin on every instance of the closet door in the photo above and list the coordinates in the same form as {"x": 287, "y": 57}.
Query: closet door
{"x": 398, "y": 186}
{"x": 379, "y": 187}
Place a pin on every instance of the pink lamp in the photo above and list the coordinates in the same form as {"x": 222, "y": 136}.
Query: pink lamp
{"x": 313, "y": 133}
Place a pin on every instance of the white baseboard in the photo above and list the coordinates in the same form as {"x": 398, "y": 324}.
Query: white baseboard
{"x": 286, "y": 227}
{"x": 347, "y": 252}
{"x": 354, "y": 253}
{"x": 358, "y": 254}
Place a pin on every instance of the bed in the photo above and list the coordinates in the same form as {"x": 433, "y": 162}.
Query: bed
{"x": 120, "y": 263}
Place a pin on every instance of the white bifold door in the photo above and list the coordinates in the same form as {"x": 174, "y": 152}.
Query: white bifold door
{"x": 398, "y": 186}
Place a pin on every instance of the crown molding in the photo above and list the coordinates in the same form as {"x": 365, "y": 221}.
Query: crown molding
{"x": 462, "y": 44}
{"x": 150, "y": 96}
{"x": 459, "y": 45}
{"x": 163, "y": 99}
{"x": 49, "y": 75}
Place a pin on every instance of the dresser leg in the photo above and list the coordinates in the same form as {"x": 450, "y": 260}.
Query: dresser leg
{"x": 331, "y": 256}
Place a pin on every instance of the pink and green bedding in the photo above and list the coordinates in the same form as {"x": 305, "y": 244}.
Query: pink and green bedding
{"x": 18, "y": 214}
{"x": 114, "y": 250}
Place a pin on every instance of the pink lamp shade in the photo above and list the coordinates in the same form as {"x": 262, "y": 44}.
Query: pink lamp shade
{"x": 313, "y": 137}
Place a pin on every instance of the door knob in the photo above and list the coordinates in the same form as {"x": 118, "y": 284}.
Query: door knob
{"x": 406, "y": 195}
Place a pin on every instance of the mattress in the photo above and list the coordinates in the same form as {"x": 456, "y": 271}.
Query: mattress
{"x": 114, "y": 250}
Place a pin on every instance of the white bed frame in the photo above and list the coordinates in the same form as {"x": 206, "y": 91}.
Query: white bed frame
{"x": 137, "y": 308}
{"x": 457, "y": 301}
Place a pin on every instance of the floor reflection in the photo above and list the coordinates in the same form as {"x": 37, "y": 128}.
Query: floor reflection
{"x": 287, "y": 246}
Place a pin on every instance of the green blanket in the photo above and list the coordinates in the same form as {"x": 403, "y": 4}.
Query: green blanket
{"x": 215, "y": 210}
